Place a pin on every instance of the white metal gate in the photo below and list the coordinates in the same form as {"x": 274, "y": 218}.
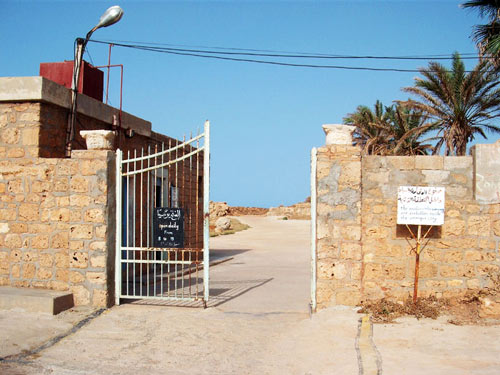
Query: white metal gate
{"x": 162, "y": 218}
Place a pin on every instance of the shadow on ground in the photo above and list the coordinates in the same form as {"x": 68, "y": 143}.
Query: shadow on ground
{"x": 217, "y": 254}
{"x": 220, "y": 293}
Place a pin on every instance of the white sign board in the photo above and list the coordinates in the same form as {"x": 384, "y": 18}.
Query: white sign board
{"x": 420, "y": 205}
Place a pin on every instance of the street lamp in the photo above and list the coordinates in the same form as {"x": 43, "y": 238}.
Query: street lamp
{"x": 111, "y": 16}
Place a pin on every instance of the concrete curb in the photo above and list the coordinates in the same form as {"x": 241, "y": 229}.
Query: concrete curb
{"x": 35, "y": 300}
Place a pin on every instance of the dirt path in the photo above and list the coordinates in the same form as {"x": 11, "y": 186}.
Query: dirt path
{"x": 271, "y": 267}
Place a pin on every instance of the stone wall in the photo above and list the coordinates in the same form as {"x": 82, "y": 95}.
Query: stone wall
{"x": 339, "y": 250}
{"x": 361, "y": 251}
{"x": 57, "y": 224}
{"x": 301, "y": 211}
{"x": 19, "y": 131}
{"x": 57, "y": 215}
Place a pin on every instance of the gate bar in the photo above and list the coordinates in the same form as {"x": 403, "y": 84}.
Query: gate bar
{"x": 314, "y": 156}
{"x": 206, "y": 213}
{"x": 163, "y": 152}
{"x": 118, "y": 229}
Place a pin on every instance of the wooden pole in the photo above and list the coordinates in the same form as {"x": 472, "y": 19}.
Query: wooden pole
{"x": 417, "y": 264}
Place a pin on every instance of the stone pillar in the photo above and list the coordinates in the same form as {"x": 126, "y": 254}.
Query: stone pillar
{"x": 486, "y": 159}
{"x": 92, "y": 228}
{"x": 338, "y": 219}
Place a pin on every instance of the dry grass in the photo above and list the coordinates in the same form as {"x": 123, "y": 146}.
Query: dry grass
{"x": 385, "y": 311}
{"x": 461, "y": 310}
{"x": 236, "y": 226}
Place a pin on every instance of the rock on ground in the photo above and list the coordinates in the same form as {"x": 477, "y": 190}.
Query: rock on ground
{"x": 222, "y": 224}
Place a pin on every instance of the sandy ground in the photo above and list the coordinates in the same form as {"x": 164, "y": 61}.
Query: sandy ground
{"x": 258, "y": 323}
{"x": 22, "y": 331}
{"x": 435, "y": 347}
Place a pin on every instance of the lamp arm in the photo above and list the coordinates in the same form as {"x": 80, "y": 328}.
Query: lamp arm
{"x": 89, "y": 34}
{"x": 111, "y": 16}
{"x": 77, "y": 63}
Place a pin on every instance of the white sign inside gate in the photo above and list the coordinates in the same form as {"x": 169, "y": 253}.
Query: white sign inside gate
{"x": 420, "y": 205}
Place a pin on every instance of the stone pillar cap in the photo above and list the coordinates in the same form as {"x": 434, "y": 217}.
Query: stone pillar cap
{"x": 338, "y": 134}
{"x": 99, "y": 139}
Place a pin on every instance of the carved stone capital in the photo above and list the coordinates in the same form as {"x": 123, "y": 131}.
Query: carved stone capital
{"x": 338, "y": 134}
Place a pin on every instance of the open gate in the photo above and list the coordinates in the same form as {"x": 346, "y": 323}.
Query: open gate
{"x": 162, "y": 216}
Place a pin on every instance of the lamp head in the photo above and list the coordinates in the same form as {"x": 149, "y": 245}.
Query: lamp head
{"x": 111, "y": 16}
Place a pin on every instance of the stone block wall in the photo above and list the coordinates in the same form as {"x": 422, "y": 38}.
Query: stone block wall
{"x": 56, "y": 224}
{"x": 57, "y": 215}
{"x": 339, "y": 225}
{"x": 19, "y": 125}
{"x": 296, "y": 211}
{"x": 361, "y": 251}
{"x": 36, "y": 129}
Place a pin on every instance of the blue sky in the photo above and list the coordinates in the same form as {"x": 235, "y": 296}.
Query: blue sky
{"x": 265, "y": 119}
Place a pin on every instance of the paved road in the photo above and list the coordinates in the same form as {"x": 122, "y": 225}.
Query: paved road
{"x": 257, "y": 323}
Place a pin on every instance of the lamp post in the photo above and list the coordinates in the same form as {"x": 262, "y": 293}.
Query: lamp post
{"x": 111, "y": 16}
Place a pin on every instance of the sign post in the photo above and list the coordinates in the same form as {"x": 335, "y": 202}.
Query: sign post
{"x": 420, "y": 205}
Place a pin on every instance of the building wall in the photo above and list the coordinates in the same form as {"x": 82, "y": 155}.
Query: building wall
{"x": 57, "y": 214}
{"x": 363, "y": 254}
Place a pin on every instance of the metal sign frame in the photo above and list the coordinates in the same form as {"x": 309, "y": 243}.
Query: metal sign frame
{"x": 420, "y": 205}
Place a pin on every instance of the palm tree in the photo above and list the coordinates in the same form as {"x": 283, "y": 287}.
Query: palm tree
{"x": 388, "y": 130}
{"x": 459, "y": 104}
{"x": 369, "y": 132}
{"x": 407, "y": 125}
{"x": 487, "y": 37}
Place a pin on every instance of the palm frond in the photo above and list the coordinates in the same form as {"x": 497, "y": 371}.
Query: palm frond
{"x": 458, "y": 103}
{"x": 486, "y": 8}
